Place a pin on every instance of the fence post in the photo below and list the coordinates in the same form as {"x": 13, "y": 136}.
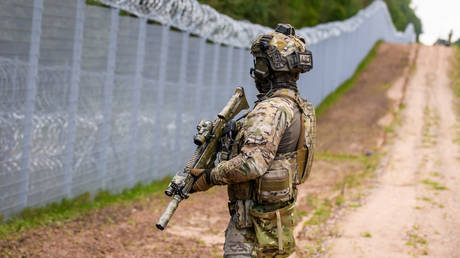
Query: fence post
{"x": 160, "y": 96}
{"x": 199, "y": 80}
{"x": 73, "y": 98}
{"x": 182, "y": 88}
{"x": 108, "y": 95}
{"x": 228, "y": 76}
{"x": 241, "y": 66}
{"x": 138, "y": 81}
{"x": 31, "y": 92}
{"x": 14, "y": 79}
{"x": 215, "y": 68}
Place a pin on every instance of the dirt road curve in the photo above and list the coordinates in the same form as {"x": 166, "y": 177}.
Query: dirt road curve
{"x": 415, "y": 207}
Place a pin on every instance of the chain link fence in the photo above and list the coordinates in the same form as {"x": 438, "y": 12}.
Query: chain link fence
{"x": 91, "y": 99}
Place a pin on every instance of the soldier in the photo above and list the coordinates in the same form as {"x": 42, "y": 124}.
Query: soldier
{"x": 271, "y": 154}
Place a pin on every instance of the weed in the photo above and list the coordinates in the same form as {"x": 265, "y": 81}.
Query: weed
{"x": 434, "y": 185}
{"x": 354, "y": 179}
{"x": 455, "y": 78}
{"x": 321, "y": 213}
{"x": 312, "y": 201}
{"x": 339, "y": 200}
{"x": 396, "y": 122}
{"x": 300, "y": 213}
{"x": 436, "y": 174}
{"x": 355, "y": 205}
{"x": 338, "y": 157}
{"x": 415, "y": 240}
{"x": 412, "y": 70}
{"x": 386, "y": 86}
{"x": 456, "y": 75}
{"x": 366, "y": 234}
{"x": 95, "y": 3}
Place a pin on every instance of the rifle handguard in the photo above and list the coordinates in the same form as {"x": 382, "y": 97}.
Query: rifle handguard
{"x": 204, "y": 156}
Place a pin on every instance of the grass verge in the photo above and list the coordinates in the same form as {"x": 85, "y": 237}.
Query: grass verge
{"x": 347, "y": 85}
{"x": 455, "y": 77}
{"x": 70, "y": 209}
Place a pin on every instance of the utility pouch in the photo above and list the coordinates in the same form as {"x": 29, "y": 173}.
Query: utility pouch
{"x": 240, "y": 209}
{"x": 274, "y": 231}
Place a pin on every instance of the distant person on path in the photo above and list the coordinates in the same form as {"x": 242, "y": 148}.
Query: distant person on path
{"x": 271, "y": 154}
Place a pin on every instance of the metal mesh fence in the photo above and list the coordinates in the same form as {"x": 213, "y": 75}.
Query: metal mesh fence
{"x": 92, "y": 100}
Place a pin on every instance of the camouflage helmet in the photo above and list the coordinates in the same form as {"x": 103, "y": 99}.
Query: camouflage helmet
{"x": 280, "y": 51}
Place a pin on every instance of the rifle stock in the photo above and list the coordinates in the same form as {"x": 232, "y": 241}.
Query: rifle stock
{"x": 203, "y": 157}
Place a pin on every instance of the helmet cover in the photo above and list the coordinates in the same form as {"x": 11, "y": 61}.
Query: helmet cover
{"x": 280, "y": 51}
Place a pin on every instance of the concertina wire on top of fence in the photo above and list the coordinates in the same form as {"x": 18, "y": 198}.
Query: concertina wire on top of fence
{"x": 92, "y": 100}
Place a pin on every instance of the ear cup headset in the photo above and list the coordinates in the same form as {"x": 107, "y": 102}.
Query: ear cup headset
{"x": 293, "y": 59}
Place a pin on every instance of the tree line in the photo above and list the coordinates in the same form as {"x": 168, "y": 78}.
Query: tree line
{"x": 307, "y": 13}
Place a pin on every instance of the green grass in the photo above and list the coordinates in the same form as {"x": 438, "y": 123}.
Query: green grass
{"x": 456, "y": 78}
{"x": 332, "y": 98}
{"x": 366, "y": 234}
{"x": 434, "y": 185}
{"x": 353, "y": 179}
{"x": 339, "y": 157}
{"x": 70, "y": 209}
{"x": 415, "y": 240}
{"x": 96, "y": 3}
{"x": 321, "y": 213}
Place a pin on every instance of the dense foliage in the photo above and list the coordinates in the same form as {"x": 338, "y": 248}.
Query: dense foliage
{"x": 306, "y": 13}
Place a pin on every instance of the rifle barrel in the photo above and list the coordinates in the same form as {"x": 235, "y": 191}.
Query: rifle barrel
{"x": 172, "y": 206}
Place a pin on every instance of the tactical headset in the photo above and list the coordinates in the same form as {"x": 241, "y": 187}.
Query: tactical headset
{"x": 267, "y": 58}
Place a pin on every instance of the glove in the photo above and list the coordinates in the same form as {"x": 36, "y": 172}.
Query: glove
{"x": 202, "y": 180}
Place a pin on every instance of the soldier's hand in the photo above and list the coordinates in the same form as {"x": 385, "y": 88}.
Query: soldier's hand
{"x": 202, "y": 180}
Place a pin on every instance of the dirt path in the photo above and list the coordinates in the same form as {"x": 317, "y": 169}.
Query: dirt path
{"x": 414, "y": 210}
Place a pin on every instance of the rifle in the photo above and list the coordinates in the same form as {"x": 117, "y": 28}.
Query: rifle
{"x": 207, "y": 139}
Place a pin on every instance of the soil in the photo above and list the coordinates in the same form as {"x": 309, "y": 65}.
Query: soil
{"x": 197, "y": 228}
{"x": 414, "y": 210}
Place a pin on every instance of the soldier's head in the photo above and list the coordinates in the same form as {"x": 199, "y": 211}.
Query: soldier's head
{"x": 279, "y": 58}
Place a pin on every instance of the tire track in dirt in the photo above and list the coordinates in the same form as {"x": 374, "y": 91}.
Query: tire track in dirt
{"x": 414, "y": 207}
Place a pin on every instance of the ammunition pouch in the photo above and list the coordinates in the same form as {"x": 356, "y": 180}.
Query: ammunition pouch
{"x": 276, "y": 185}
{"x": 274, "y": 230}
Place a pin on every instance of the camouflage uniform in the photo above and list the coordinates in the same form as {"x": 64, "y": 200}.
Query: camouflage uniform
{"x": 262, "y": 179}
{"x": 271, "y": 153}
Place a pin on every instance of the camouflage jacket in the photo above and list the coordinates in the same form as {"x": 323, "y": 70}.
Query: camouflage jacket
{"x": 258, "y": 141}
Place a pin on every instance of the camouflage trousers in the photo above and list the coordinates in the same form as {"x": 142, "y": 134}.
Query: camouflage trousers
{"x": 262, "y": 238}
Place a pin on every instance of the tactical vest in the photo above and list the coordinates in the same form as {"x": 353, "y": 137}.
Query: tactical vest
{"x": 293, "y": 160}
